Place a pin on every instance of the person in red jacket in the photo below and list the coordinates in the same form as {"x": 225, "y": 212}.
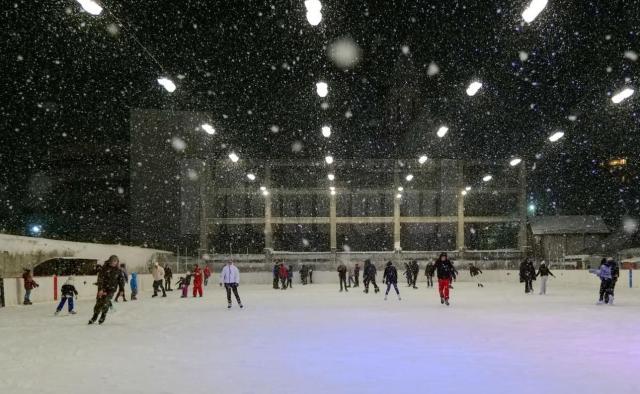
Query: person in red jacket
{"x": 197, "y": 281}
{"x": 207, "y": 274}
{"x": 29, "y": 284}
{"x": 283, "y": 274}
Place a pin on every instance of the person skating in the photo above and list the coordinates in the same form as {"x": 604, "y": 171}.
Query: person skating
{"x": 108, "y": 279}
{"x": 369, "y": 276}
{"x": 29, "y": 284}
{"x": 283, "y": 274}
{"x": 197, "y": 281}
{"x": 158, "y": 277}
{"x": 606, "y": 280}
{"x": 290, "y": 277}
{"x": 356, "y": 275}
{"x": 429, "y": 271}
{"x": 350, "y": 281}
{"x": 207, "y": 274}
{"x": 543, "y": 273}
{"x": 415, "y": 270}
{"x": 168, "y": 275}
{"x": 311, "y": 274}
{"x": 67, "y": 293}
{"x": 390, "y": 277}
{"x": 230, "y": 277}
{"x": 407, "y": 274}
{"x": 124, "y": 278}
{"x": 615, "y": 274}
{"x": 304, "y": 271}
{"x": 342, "y": 276}
{"x": 444, "y": 271}
{"x": 133, "y": 283}
{"x": 454, "y": 275}
{"x": 183, "y": 284}
{"x": 276, "y": 269}
{"x": 527, "y": 275}
{"x": 475, "y": 272}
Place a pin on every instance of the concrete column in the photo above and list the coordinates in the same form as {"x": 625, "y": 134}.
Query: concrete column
{"x": 268, "y": 230}
{"x": 460, "y": 230}
{"x": 333, "y": 243}
{"x": 522, "y": 205}
{"x": 396, "y": 210}
{"x": 204, "y": 201}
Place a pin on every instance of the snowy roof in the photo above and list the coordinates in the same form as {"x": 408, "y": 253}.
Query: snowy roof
{"x": 590, "y": 224}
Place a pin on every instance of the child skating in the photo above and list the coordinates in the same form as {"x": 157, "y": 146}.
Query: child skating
{"x": 67, "y": 293}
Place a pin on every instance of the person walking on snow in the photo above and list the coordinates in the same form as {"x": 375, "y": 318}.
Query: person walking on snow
{"x": 369, "y": 276}
{"x": 429, "y": 271}
{"x": 543, "y": 273}
{"x": 475, "y": 272}
{"x": 29, "y": 284}
{"x": 108, "y": 279}
{"x": 168, "y": 275}
{"x": 230, "y": 277}
{"x": 67, "y": 292}
{"x": 342, "y": 276}
{"x": 390, "y": 277}
{"x": 134, "y": 286}
{"x": 158, "y": 277}
{"x": 207, "y": 274}
{"x": 283, "y": 274}
{"x": 444, "y": 271}
{"x": 197, "y": 281}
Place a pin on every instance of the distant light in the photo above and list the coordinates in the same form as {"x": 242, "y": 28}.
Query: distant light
{"x": 487, "y": 178}
{"x": 514, "y": 162}
{"x": 623, "y": 95}
{"x": 556, "y": 136}
{"x": 332, "y": 188}
{"x": 442, "y": 131}
{"x": 234, "y": 158}
{"x": 326, "y": 131}
{"x": 331, "y": 177}
{"x": 265, "y": 192}
{"x": 464, "y": 192}
{"x": 532, "y": 208}
{"x": 423, "y": 159}
{"x": 468, "y": 188}
{"x": 328, "y": 159}
{"x": 473, "y": 88}
{"x": 90, "y": 6}
{"x": 208, "y": 128}
{"x": 333, "y": 192}
{"x": 322, "y": 89}
{"x": 167, "y": 84}
{"x": 534, "y": 9}
{"x": 399, "y": 195}
{"x": 617, "y": 162}
{"x": 263, "y": 188}
{"x": 251, "y": 177}
{"x": 36, "y": 229}
{"x": 400, "y": 188}
{"x": 409, "y": 178}
{"x": 314, "y": 17}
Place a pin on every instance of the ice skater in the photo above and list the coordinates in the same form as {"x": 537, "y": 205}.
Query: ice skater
{"x": 415, "y": 270}
{"x": 276, "y": 268}
{"x": 133, "y": 283}
{"x": 124, "y": 278}
{"x": 429, "y": 271}
{"x": 29, "y": 284}
{"x": 197, "y": 281}
{"x": 207, "y": 274}
{"x": 407, "y": 274}
{"x": 342, "y": 276}
{"x": 615, "y": 274}
{"x": 230, "y": 277}
{"x": 527, "y": 275}
{"x": 444, "y": 271}
{"x": 183, "y": 284}
{"x": 108, "y": 279}
{"x": 356, "y": 275}
{"x": 390, "y": 277}
{"x": 158, "y": 277}
{"x": 543, "y": 273}
{"x": 168, "y": 275}
{"x": 290, "y": 277}
{"x": 283, "y": 274}
{"x": 369, "y": 276}
{"x": 606, "y": 280}
{"x": 67, "y": 293}
{"x": 475, "y": 272}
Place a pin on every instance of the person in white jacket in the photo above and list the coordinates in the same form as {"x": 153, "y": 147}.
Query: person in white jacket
{"x": 230, "y": 277}
{"x": 158, "y": 277}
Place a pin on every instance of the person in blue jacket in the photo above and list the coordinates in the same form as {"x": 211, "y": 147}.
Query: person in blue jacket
{"x": 134, "y": 286}
{"x": 606, "y": 280}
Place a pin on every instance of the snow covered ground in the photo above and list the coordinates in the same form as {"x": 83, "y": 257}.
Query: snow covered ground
{"x": 313, "y": 339}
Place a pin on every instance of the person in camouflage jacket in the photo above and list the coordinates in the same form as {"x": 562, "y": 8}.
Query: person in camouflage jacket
{"x": 108, "y": 280}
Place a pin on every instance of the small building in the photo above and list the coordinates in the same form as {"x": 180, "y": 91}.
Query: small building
{"x": 554, "y": 237}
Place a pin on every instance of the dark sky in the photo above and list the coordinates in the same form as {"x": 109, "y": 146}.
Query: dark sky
{"x": 70, "y": 79}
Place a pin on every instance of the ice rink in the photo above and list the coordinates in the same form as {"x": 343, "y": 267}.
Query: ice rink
{"x": 313, "y": 339}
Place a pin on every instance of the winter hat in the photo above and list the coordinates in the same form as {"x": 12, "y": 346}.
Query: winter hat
{"x": 388, "y": 263}
{"x": 69, "y": 281}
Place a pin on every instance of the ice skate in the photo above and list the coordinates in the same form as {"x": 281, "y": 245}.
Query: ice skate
{"x": 399, "y": 299}
{"x": 385, "y": 297}
{"x": 103, "y": 317}
{"x": 610, "y": 300}
{"x": 442, "y": 300}
{"x": 446, "y": 302}
{"x": 241, "y": 306}
{"x": 229, "y": 306}
{"x": 600, "y": 302}
{"x": 72, "y": 312}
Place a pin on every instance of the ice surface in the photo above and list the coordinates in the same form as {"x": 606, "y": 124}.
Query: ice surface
{"x": 313, "y": 339}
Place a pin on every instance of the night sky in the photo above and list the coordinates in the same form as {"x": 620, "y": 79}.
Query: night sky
{"x": 69, "y": 80}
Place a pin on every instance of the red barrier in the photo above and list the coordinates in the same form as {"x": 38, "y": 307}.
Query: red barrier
{"x": 55, "y": 287}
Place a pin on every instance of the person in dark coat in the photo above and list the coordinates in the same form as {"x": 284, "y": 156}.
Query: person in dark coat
{"x": 168, "y": 275}
{"x": 444, "y": 271}
{"x": 415, "y": 270}
{"x": 429, "y": 272}
{"x": 67, "y": 293}
{"x": 543, "y": 273}
{"x": 124, "y": 278}
{"x": 407, "y": 274}
{"x": 29, "y": 284}
{"x": 290, "y": 277}
{"x": 108, "y": 279}
{"x": 276, "y": 268}
{"x": 390, "y": 277}
{"x": 183, "y": 284}
{"x": 475, "y": 272}
{"x": 342, "y": 276}
{"x": 615, "y": 274}
{"x": 304, "y": 272}
{"x": 605, "y": 274}
{"x": 527, "y": 275}
{"x": 369, "y": 276}
{"x": 356, "y": 275}
{"x": 311, "y": 267}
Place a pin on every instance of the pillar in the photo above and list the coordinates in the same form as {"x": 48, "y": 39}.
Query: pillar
{"x": 522, "y": 205}
{"x": 332, "y": 223}
{"x": 460, "y": 229}
{"x": 396, "y": 211}
{"x": 204, "y": 200}
{"x": 268, "y": 230}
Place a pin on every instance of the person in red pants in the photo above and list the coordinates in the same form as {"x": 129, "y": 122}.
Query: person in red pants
{"x": 444, "y": 271}
{"x": 197, "y": 281}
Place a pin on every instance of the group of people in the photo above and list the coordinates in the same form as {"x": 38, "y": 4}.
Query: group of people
{"x": 608, "y": 272}
{"x": 528, "y": 274}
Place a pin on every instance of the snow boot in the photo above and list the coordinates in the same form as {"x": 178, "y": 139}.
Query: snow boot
{"x": 442, "y": 300}
{"x": 56, "y": 312}
{"x": 385, "y": 297}
{"x": 72, "y": 312}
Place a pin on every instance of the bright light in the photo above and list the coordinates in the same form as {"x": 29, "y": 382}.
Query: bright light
{"x": 464, "y": 192}
{"x": 36, "y": 229}
{"x": 473, "y": 88}
{"x": 333, "y": 192}
{"x": 399, "y": 195}
{"x": 322, "y": 89}
{"x": 556, "y": 136}
{"x": 251, "y": 177}
{"x": 313, "y": 5}
{"x": 534, "y": 9}
{"x": 423, "y": 159}
{"x": 167, "y": 84}
{"x": 263, "y": 188}
{"x": 409, "y": 178}
{"x": 328, "y": 159}
{"x": 487, "y": 178}
{"x": 314, "y": 17}
{"x": 90, "y": 6}
{"x": 234, "y": 158}
{"x": 515, "y": 162}
{"x": 332, "y": 188}
{"x": 265, "y": 192}
{"x": 208, "y": 128}
{"x": 400, "y": 188}
{"x": 468, "y": 188}
{"x": 331, "y": 177}
{"x": 532, "y": 208}
{"x": 442, "y": 131}
{"x": 326, "y": 131}
{"x": 623, "y": 95}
